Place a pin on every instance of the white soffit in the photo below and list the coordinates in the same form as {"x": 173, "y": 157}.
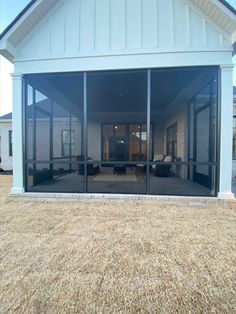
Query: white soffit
{"x": 218, "y": 13}
{"x": 28, "y": 22}
{"x": 23, "y": 26}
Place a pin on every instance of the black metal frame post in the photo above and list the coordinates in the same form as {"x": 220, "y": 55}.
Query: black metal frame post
{"x": 85, "y": 135}
{"x": 148, "y": 129}
{"x": 218, "y": 131}
{"x": 34, "y": 128}
{"x": 24, "y": 133}
{"x": 51, "y": 138}
{"x": 70, "y": 150}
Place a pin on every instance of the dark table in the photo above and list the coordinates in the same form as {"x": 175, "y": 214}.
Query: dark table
{"x": 119, "y": 169}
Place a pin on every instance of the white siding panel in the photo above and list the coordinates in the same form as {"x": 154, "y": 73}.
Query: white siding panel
{"x": 225, "y": 42}
{"x": 149, "y": 23}
{"x": 57, "y": 23}
{"x": 165, "y": 23}
{"x": 180, "y": 23}
{"x": 133, "y": 23}
{"x": 76, "y": 28}
{"x": 29, "y": 49}
{"x": 43, "y": 35}
{"x": 212, "y": 36}
{"x": 102, "y": 24}
{"x": 72, "y": 26}
{"x": 118, "y": 24}
{"x": 87, "y": 26}
{"x": 196, "y": 29}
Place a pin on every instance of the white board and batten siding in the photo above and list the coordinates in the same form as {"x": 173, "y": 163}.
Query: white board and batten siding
{"x": 96, "y": 30}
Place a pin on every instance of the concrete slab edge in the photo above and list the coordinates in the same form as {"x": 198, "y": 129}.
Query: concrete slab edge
{"x": 121, "y": 198}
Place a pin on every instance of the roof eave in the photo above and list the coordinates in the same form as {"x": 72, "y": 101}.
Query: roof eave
{"x": 6, "y": 48}
{"x": 226, "y": 8}
{"x": 18, "y": 17}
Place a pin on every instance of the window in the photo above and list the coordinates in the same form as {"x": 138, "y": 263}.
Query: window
{"x": 68, "y": 143}
{"x": 132, "y": 136}
{"x": 10, "y": 142}
{"x": 234, "y": 137}
{"x": 171, "y": 141}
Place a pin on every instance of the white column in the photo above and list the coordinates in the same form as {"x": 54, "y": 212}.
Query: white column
{"x": 226, "y": 121}
{"x": 17, "y": 131}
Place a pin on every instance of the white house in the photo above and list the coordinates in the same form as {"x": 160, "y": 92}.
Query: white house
{"x": 142, "y": 90}
{"x": 6, "y": 149}
{"x": 6, "y": 68}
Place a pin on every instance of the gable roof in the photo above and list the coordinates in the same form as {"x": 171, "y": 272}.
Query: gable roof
{"x": 220, "y": 11}
{"x": 230, "y": 7}
{"x": 30, "y": 4}
{"x": 17, "y": 18}
{"x": 7, "y": 116}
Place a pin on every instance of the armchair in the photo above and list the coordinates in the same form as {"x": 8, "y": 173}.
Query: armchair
{"x": 163, "y": 170}
{"x": 92, "y": 168}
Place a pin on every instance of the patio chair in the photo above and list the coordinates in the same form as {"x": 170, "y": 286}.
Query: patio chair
{"x": 92, "y": 168}
{"x": 163, "y": 170}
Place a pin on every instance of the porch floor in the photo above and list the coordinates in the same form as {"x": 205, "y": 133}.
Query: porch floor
{"x": 73, "y": 183}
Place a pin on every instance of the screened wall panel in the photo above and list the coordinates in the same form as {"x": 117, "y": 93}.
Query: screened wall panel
{"x": 134, "y": 131}
{"x": 54, "y": 133}
{"x": 117, "y": 137}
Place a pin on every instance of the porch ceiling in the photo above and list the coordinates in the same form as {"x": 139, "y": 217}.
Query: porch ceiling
{"x": 115, "y": 91}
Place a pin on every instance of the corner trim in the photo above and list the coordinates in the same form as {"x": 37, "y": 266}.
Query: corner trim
{"x": 227, "y": 67}
{"x": 16, "y": 76}
{"x": 226, "y": 195}
{"x": 17, "y": 191}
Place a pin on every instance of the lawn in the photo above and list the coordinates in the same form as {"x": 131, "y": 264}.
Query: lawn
{"x": 116, "y": 256}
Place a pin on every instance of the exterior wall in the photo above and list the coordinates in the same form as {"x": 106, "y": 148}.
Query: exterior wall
{"x": 6, "y": 68}
{"x": 111, "y": 27}
{"x": 6, "y": 160}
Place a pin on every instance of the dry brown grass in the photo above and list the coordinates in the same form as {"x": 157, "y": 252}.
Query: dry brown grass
{"x": 117, "y": 257}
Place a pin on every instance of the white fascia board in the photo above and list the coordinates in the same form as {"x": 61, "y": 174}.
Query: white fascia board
{"x": 226, "y": 10}
{"x": 6, "y": 48}
{"x": 234, "y": 37}
{"x": 23, "y": 17}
